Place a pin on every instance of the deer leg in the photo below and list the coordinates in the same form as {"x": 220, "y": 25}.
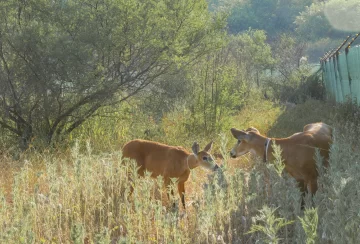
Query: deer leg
{"x": 141, "y": 171}
{"x": 181, "y": 189}
{"x": 312, "y": 186}
{"x": 301, "y": 185}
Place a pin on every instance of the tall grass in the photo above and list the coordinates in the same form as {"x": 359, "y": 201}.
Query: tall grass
{"x": 87, "y": 198}
{"x": 82, "y": 196}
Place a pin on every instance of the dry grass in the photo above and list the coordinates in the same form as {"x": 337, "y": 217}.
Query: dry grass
{"x": 78, "y": 196}
{"x": 83, "y": 197}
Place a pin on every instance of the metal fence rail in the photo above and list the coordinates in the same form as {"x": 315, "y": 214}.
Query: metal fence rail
{"x": 341, "y": 72}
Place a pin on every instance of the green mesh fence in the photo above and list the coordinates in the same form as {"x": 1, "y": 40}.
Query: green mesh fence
{"x": 341, "y": 75}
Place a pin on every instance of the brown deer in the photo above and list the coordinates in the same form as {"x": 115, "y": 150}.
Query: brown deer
{"x": 169, "y": 161}
{"x": 298, "y": 150}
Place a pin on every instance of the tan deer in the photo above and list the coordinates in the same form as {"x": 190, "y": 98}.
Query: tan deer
{"x": 169, "y": 161}
{"x": 298, "y": 150}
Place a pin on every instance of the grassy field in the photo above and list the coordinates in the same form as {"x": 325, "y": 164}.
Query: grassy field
{"x": 81, "y": 195}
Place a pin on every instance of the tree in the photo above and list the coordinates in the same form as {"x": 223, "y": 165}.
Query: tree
{"x": 273, "y": 16}
{"x": 325, "y": 25}
{"x": 60, "y": 61}
{"x": 253, "y": 55}
{"x": 164, "y": 95}
{"x": 222, "y": 81}
{"x": 312, "y": 24}
{"x": 289, "y": 72}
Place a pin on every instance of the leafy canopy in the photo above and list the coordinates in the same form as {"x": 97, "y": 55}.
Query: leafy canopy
{"x": 60, "y": 61}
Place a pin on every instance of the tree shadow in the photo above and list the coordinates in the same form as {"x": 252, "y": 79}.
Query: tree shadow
{"x": 294, "y": 118}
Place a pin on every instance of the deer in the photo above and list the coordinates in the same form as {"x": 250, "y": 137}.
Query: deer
{"x": 169, "y": 161}
{"x": 298, "y": 151}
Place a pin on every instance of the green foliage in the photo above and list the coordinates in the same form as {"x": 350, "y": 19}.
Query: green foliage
{"x": 323, "y": 25}
{"x": 258, "y": 112}
{"x": 273, "y": 16}
{"x": 313, "y": 87}
{"x": 317, "y": 48}
{"x": 337, "y": 200}
{"x": 253, "y": 55}
{"x": 166, "y": 94}
{"x": 222, "y": 82}
{"x": 62, "y": 61}
{"x": 310, "y": 223}
{"x": 109, "y": 127}
{"x": 300, "y": 86}
{"x": 206, "y": 95}
{"x": 312, "y": 23}
{"x": 77, "y": 233}
{"x": 344, "y": 19}
{"x": 288, "y": 78}
{"x": 214, "y": 94}
{"x": 278, "y": 163}
{"x": 270, "y": 226}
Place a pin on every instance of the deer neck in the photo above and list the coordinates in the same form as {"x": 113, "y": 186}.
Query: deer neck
{"x": 265, "y": 149}
{"x": 191, "y": 161}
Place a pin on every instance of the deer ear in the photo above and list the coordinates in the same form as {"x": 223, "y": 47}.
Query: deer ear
{"x": 254, "y": 130}
{"x": 195, "y": 148}
{"x": 239, "y": 134}
{"x": 208, "y": 147}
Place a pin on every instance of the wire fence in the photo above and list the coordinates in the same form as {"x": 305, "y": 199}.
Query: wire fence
{"x": 341, "y": 71}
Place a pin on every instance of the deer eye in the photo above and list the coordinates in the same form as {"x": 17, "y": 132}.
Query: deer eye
{"x": 204, "y": 158}
{"x": 239, "y": 141}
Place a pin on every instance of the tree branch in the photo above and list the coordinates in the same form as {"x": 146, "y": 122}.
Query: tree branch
{"x": 88, "y": 114}
{"x": 7, "y": 70}
{"x": 8, "y": 127}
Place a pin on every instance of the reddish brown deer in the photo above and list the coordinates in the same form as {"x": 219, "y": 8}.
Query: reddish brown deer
{"x": 169, "y": 161}
{"x": 298, "y": 150}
